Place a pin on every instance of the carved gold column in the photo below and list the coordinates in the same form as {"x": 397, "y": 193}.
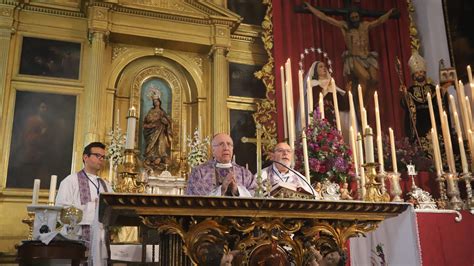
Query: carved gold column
{"x": 220, "y": 90}
{"x": 94, "y": 95}
{"x": 6, "y": 30}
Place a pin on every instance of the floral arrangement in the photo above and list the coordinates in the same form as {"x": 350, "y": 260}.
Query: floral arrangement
{"x": 198, "y": 149}
{"x": 330, "y": 158}
{"x": 116, "y": 146}
{"x": 408, "y": 153}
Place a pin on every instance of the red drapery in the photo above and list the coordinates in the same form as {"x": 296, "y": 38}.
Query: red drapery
{"x": 293, "y": 32}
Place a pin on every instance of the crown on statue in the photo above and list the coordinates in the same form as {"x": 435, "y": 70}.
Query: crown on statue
{"x": 416, "y": 62}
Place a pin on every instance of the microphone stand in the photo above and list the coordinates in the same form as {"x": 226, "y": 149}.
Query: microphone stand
{"x": 299, "y": 175}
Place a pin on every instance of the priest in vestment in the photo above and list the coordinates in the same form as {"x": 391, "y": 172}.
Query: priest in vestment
{"x": 219, "y": 176}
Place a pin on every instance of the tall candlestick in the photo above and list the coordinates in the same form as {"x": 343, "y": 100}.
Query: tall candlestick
{"x": 448, "y": 144}
{"x": 471, "y": 83}
{"x": 369, "y": 145}
{"x": 259, "y": 150}
{"x": 305, "y": 156}
{"x": 361, "y": 101}
{"x": 283, "y": 100}
{"x": 469, "y": 112}
{"x": 131, "y": 125}
{"x": 291, "y": 131}
{"x": 463, "y": 156}
{"x": 360, "y": 157}
{"x": 440, "y": 103}
{"x": 352, "y": 113}
{"x": 435, "y": 153}
{"x": 301, "y": 104}
{"x": 436, "y": 148}
{"x": 379, "y": 136}
{"x": 52, "y": 189}
{"x": 336, "y": 105}
{"x": 364, "y": 118}
{"x": 354, "y": 150}
{"x": 462, "y": 107}
{"x": 321, "y": 105}
{"x": 394, "y": 153}
{"x": 36, "y": 188}
{"x": 309, "y": 96}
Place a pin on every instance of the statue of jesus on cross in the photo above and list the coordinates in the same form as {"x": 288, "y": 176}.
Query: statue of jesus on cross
{"x": 360, "y": 64}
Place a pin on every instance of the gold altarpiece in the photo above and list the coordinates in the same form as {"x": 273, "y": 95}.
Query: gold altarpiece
{"x": 123, "y": 43}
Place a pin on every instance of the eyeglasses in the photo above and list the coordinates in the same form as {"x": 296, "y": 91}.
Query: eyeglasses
{"x": 223, "y": 144}
{"x": 98, "y": 155}
{"x": 283, "y": 150}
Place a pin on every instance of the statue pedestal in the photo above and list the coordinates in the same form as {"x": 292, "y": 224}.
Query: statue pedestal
{"x": 166, "y": 184}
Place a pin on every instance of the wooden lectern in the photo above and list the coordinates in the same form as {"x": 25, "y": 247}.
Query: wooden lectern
{"x": 250, "y": 231}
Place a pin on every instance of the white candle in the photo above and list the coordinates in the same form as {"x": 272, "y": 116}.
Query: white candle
{"x": 462, "y": 107}
{"x": 259, "y": 151}
{"x": 301, "y": 104}
{"x": 377, "y": 116}
{"x": 379, "y": 137}
{"x": 52, "y": 189}
{"x": 463, "y": 156}
{"x": 469, "y": 112}
{"x": 440, "y": 103}
{"x": 131, "y": 125}
{"x": 291, "y": 132}
{"x": 321, "y": 105}
{"x": 471, "y": 83}
{"x": 435, "y": 153}
{"x": 364, "y": 118}
{"x": 36, "y": 188}
{"x": 360, "y": 157}
{"x": 354, "y": 150}
{"x": 305, "y": 157}
{"x": 361, "y": 101}
{"x": 394, "y": 153}
{"x": 309, "y": 97}
{"x": 283, "y": 100}
{"x": 449, "y": 146}
{"x": 435, "y": 140}
{"x": 352, "y": 112}
{"x": 369, "y": 145}
{"x": 336, "y": 105}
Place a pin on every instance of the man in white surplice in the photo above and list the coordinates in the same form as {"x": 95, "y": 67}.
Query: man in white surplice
{"x": 82, "y": 190}
{"x": 277, "y": 173}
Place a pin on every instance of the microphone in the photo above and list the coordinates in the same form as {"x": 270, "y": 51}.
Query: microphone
{"x": 298, "y": 174}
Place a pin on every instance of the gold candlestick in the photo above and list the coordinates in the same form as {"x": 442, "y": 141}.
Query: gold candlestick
{"x": 455, "y": 202}
{"x": 129, "y": 174}
{"x": 374, "y": 193}
{"x": 467, "y": 177}
{"x": 29, "y": 221}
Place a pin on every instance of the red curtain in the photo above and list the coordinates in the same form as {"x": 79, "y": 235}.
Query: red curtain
{"x": 293, "y": 32}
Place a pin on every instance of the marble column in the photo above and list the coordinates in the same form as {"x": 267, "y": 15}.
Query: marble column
{"x": 93, "y": 94}
{"x": 220, "y": 90}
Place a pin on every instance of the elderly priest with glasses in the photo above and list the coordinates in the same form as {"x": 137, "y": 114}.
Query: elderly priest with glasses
{"x": 219, "y": 176}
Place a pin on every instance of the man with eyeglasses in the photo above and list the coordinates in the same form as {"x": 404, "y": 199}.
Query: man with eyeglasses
{"x": 219, "y": 176}
{"x": 277, "y": 173}
{"x": 82, "y": 190}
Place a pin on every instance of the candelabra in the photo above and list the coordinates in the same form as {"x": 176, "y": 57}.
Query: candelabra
{"x": 381, "y": 176}
{"x": 395, "y": 189}
{"x": 360, "y": 189}
{"x": 373, "y": 188}
{"x": 453, "y": 190}
{"x": 467, "y": 177}
{"x": 130, "y": 169}
{"x": 443, "y": 198}
{"x": 259, "y": 190}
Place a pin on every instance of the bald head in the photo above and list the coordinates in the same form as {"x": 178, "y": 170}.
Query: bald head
{"x": 222, "y": 148}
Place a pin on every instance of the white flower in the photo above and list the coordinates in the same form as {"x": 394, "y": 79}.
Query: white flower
{"x": 198, "y": 149}
{"x": 116, "y": 146}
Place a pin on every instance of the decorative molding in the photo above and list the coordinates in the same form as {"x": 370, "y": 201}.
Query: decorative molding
{"x": 6, "y": 12}
{"x": 117, "y": 51}
{"x": 414, "y": 39}
{"x": 53, "y": 11}
{"x": 266, "y": 114}
{"x": 243, "y": 38}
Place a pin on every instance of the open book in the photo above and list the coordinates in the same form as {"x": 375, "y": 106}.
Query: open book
{"x": 288, "y": 190}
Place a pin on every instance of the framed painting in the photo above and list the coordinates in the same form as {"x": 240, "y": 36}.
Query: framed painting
{"x": 42, "y": 138}
{"x": 50, "y": 58}
{"x": 243, "y": 83}
{"x": 458, "y": 15}
{"x": 243, "y": 125}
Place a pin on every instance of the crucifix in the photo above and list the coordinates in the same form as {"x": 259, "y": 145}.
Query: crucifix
{"x": 360, "y": 64}
{"x": 258, "y": 141}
